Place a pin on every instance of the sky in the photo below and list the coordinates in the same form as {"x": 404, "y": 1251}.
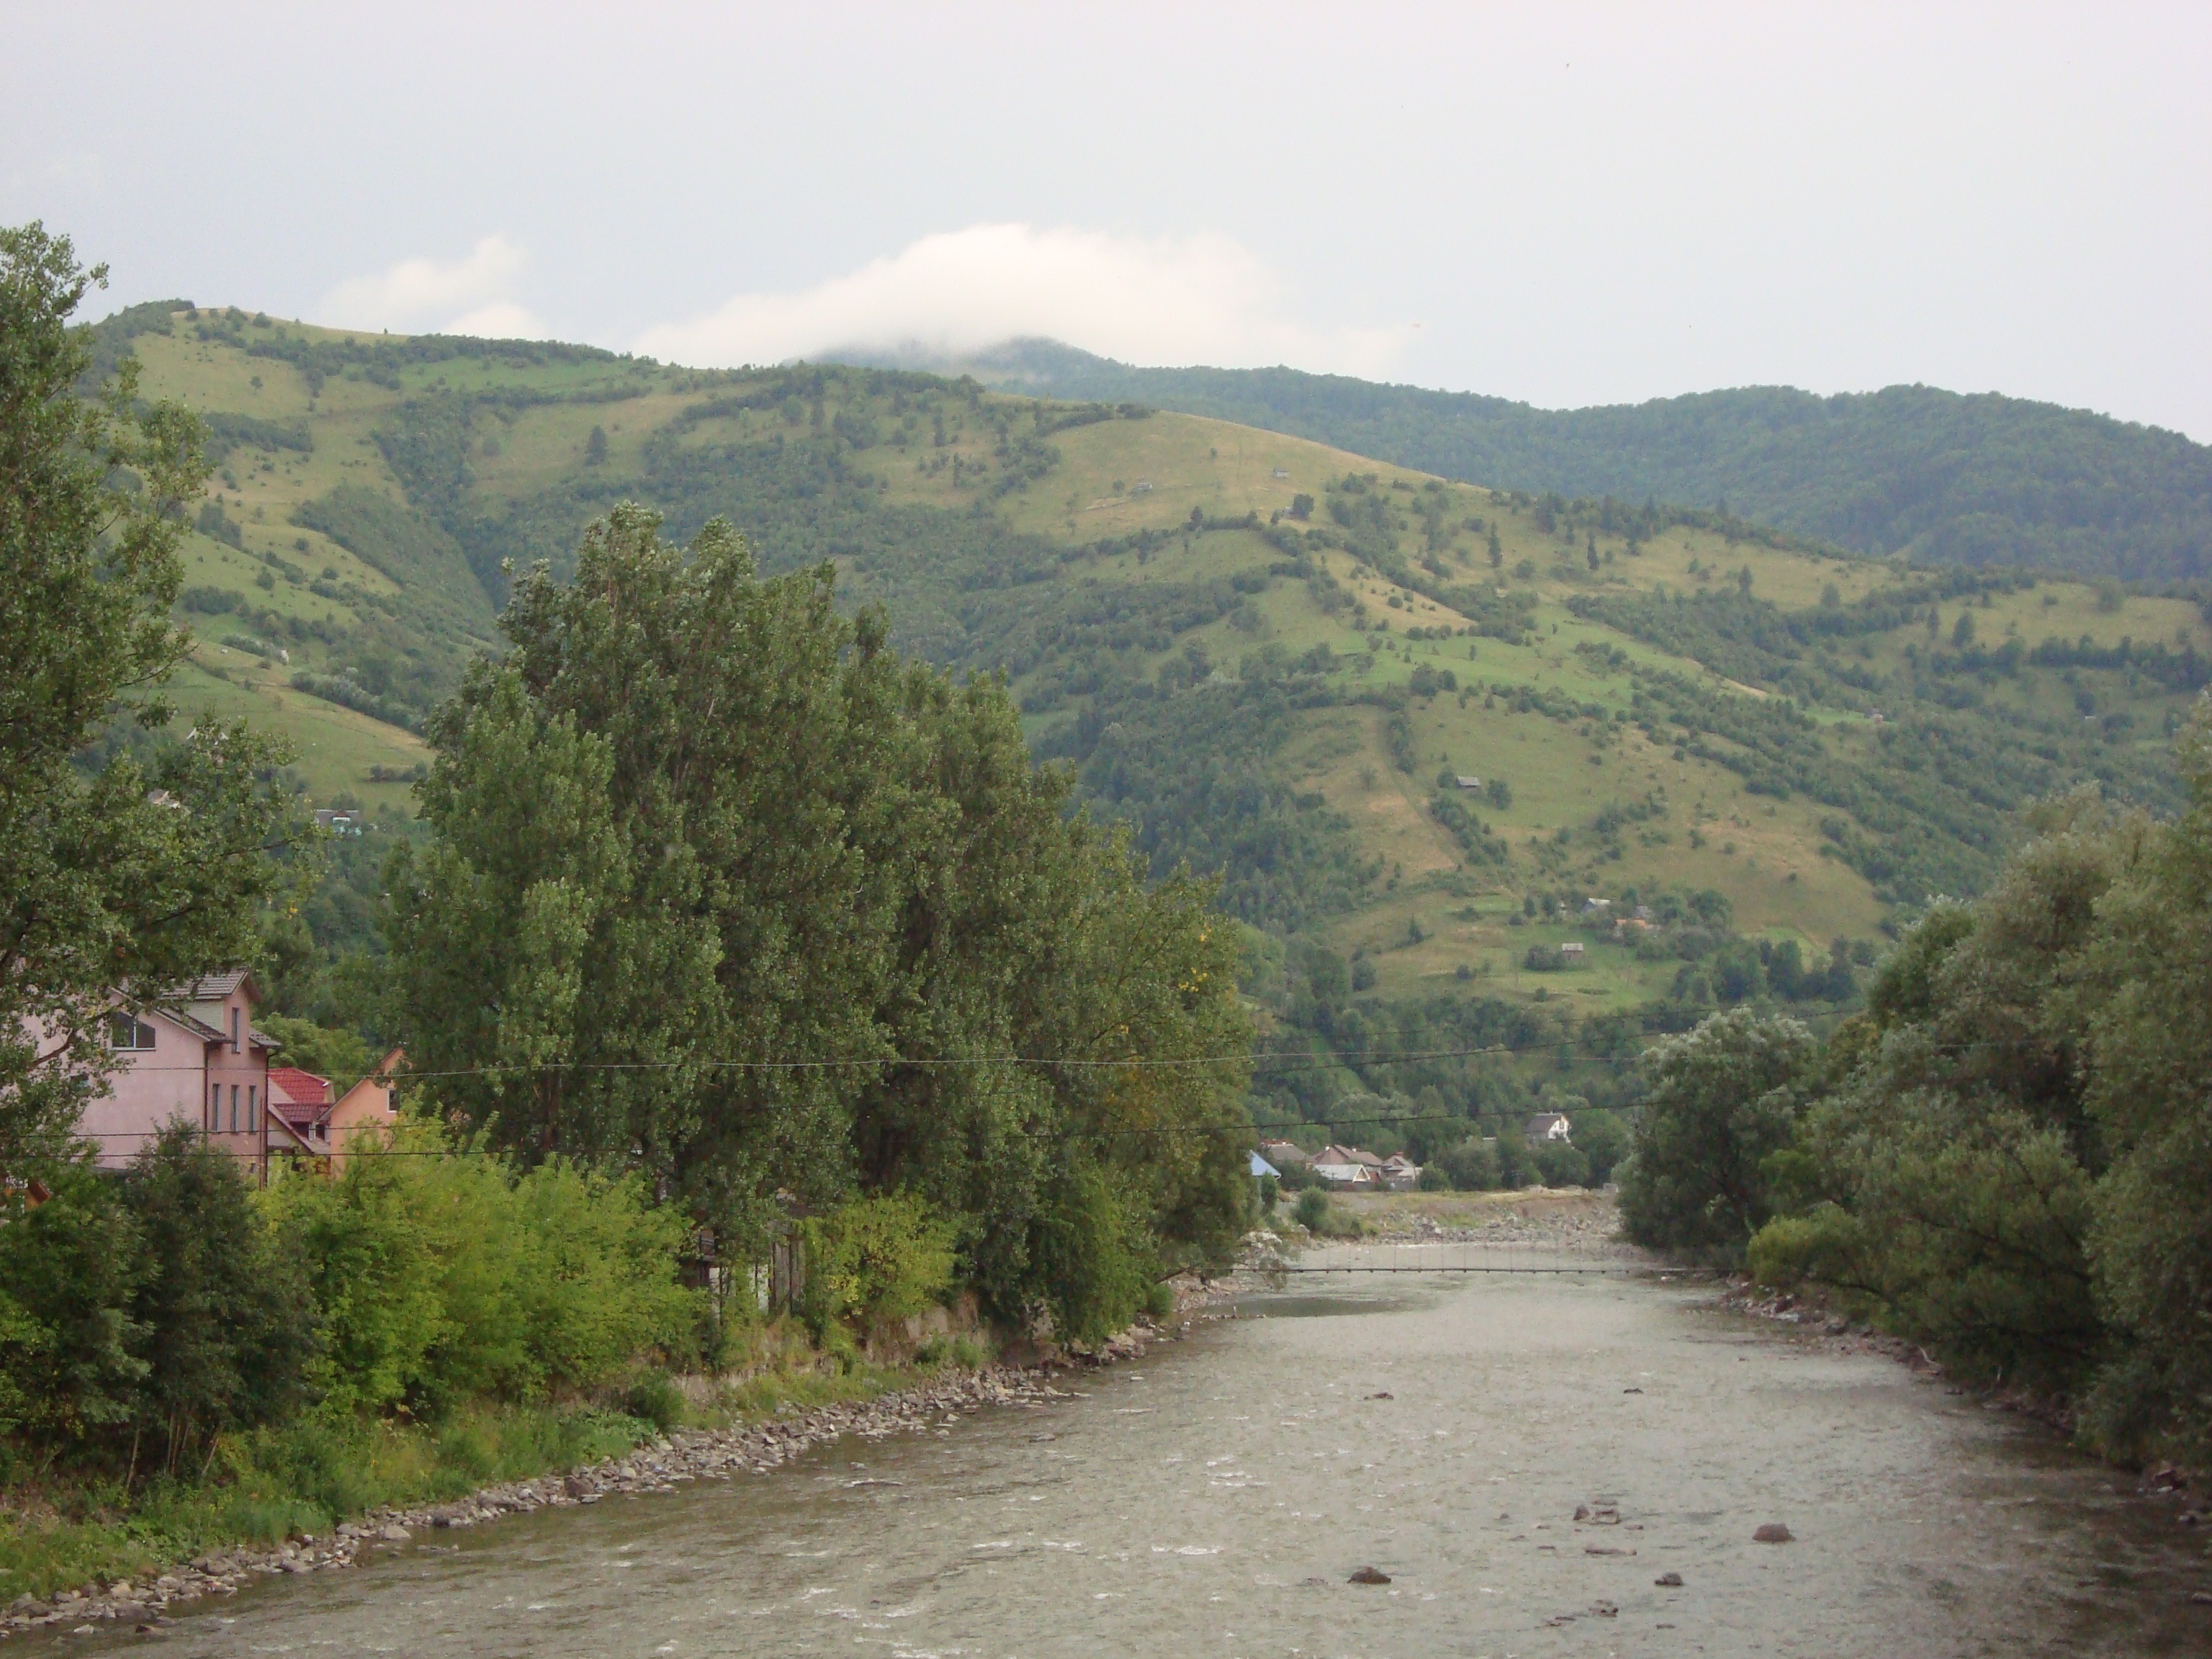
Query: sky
{"x": 1569, "y": 204}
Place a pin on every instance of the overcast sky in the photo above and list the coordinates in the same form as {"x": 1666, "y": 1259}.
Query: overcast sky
{"x": 1566, "y": 204}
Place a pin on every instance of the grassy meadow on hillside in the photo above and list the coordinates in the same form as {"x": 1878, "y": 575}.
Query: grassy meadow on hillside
{"x": 1275, "y": 659}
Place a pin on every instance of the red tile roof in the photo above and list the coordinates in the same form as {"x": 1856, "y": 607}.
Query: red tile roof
{"x": 288, "y": 1084}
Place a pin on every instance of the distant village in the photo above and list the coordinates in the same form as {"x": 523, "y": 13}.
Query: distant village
{"x": 1352, "y": 1169}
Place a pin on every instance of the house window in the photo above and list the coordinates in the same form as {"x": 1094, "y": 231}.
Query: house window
{"x": 234, "y": 1033}
{"x": 234, "y": 1108}
{"x": 126, "y": 1032}
{"x": 215, "y": 1108}
{"x": 253, "y": 1111}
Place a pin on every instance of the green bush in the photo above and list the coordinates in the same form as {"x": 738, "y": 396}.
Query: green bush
{"x": 223, "y": 1320}
{"x": 1097, "y": 1254}
{"x": 1311, "y": 1210}
{"x": 884, "y": 1257}
{"x": 67, "y": 1269}
{"x": 1560, "y": 1163}
{"x": 1470, "y": 1167}
{"x": 654, "y": 1398}
{"x": 444, "y": 1274}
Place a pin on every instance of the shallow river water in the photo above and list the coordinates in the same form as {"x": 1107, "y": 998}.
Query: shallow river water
{"x": 1214, "y": 1498}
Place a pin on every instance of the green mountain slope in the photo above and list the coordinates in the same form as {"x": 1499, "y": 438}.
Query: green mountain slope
{"x": 1271, "y": 658}
{"x": 1942, "y": 478}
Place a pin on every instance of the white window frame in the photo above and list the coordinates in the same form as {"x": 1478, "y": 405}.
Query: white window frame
{"x": 143, "y": 1034}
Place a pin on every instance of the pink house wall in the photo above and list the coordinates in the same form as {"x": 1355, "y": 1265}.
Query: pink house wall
{"x": 188, "y": 1077}
{"x": 157, "y": 1086}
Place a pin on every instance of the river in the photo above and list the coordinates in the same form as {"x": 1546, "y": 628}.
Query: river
{"x": 1214, "y": 1497}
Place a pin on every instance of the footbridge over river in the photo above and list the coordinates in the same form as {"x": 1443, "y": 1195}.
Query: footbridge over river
{"x": 1449, "y": 1255}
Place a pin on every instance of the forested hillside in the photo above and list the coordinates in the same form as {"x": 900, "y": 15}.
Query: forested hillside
{"x": 1942, "y": 478}
{"x": 1475, "y": 769}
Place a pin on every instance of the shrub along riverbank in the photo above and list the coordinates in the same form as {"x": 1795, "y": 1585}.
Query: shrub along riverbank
{"x": 2005, "y": 1158}
{"x": 190, "y": 1365}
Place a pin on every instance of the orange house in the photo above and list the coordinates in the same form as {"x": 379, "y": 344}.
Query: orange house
{"x": 305, "y": 1122}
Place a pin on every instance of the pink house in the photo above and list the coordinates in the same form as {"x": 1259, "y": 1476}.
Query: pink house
{"x": 196, "y": 1058}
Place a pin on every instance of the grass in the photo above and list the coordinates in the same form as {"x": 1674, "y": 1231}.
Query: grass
{"x": 273, "y": 1484}
{"x": 61, "y": 1530}
{"x": 335, "y": 748}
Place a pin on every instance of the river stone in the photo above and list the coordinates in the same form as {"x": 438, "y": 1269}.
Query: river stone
{"x": 1669, "y": 1581}
{"x": 395, "y": 1535}
{"x": 1368, "y": 1576}
{"x": 1773, "y": 1532}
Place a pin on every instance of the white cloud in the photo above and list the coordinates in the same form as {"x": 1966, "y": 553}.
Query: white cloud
{"x": 502, "y": 319}
{"x": 1168, "y": 301}
{"x": 422, "y": 294}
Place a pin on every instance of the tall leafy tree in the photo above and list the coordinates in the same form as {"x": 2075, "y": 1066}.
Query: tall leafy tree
{"x": 1722, "y": 1100}
{"x": 225, "y": 1321}
{"x": 130, "y": 876}
{"x": 725, "y": 892}
{"x": 2139, "y": 1015}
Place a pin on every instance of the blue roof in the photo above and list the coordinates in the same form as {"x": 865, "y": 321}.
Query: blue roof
{"x": 1261, "y": 1167}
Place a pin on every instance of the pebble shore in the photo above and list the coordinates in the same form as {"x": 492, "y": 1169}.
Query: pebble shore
{"x": 933, "y": 1408}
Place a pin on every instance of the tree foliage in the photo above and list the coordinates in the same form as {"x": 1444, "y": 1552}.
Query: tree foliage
{"x": 2007, "y": 1161}
{"x": 723, "y": 892}
{"x": 1720, "y": 1102}
{"x": 137, "y": 874}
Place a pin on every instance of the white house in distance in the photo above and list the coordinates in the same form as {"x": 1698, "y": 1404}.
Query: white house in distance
{"x": 1546, "y": 1126}
{"x": 1347, "y": 1166}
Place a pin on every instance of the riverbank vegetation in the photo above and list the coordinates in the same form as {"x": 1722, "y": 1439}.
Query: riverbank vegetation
{"x": 187, "y": 1364}
{"x": 2005, "y": 1157}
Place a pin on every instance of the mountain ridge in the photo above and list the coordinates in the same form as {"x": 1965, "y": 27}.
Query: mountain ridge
{"x": 1937, "y": 476}
{"x": 1271, "y": 659}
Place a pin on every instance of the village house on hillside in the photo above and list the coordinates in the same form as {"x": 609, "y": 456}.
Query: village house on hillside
{"x": 1285, "y": 1154}
{"x": 1546, "y": 1126}
{"x": 1400, "y": 1173}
